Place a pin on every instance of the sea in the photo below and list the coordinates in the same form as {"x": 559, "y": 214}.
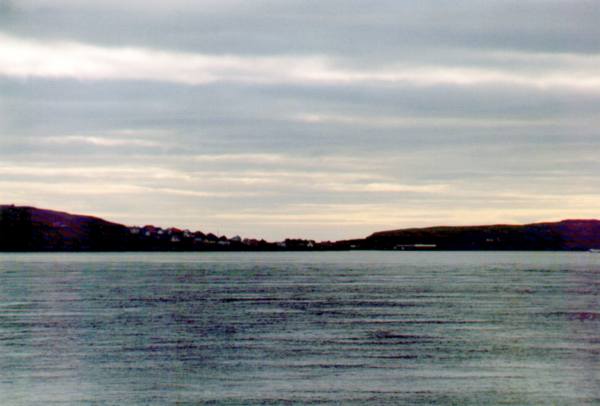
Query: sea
{"x": 340, "y": 328}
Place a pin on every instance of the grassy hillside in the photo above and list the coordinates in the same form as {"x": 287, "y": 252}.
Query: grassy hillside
{"x": 563, "y": 235}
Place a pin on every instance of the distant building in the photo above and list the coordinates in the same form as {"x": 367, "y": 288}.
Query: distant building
{"x": 415, "y": 246}
{"x": 174, "y": 230}
{"x": 148, "y": 230}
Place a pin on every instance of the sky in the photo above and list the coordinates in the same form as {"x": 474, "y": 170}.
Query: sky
{"x": 322, "y": 119}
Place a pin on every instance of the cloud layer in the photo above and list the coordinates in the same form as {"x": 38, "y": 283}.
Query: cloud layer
{"x": 65, "y": 59}
{"x": 319, "y": 119}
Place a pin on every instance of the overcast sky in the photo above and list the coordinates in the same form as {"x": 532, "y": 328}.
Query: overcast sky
{"x": 322, "y": 119}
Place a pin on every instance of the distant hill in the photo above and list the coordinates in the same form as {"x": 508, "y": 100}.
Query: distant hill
{"x": 563, "y": 235}
{"x": 32, "y": 229}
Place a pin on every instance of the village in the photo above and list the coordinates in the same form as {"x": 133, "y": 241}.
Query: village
{"x": 185, "y": 240}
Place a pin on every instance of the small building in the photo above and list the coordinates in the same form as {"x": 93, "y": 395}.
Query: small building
{"x": 405, "y": 247}
{"x": 148, "y": 230}
{"x": 174, "y": 230}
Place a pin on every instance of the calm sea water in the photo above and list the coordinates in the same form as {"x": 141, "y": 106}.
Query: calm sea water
{"x": 300, "y": 328}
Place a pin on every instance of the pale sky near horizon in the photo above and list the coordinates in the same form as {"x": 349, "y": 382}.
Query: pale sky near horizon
{"x": 320, "y": 119}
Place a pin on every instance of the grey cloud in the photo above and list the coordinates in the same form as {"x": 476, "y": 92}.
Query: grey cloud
{"x": 328, "y": 160}
{"x": 380, "y": 29}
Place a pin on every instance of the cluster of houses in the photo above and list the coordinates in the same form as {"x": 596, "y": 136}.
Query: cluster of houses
{"x": 175, "y": 238}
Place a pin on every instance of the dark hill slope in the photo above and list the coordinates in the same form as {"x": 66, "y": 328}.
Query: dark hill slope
{"x": 563, "y": 235}
{"x": 31, "y": 229}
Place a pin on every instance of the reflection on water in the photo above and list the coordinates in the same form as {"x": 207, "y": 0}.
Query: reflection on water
{"x": 360, "y": 327}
